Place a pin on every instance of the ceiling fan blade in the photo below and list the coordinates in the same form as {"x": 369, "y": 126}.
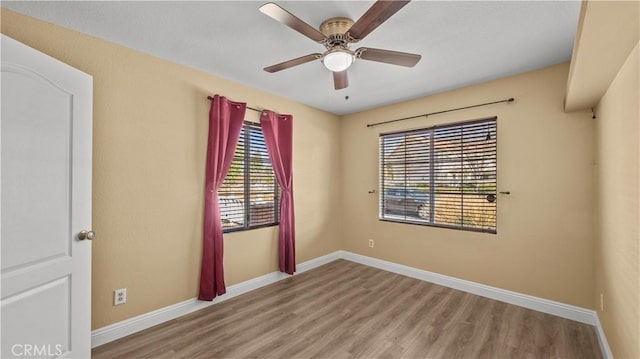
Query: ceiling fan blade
{"x": 340, "y": 80}
{"x": 390, "y": 57}
{"x": 374, "y": 17}
{"x": 291, "y": 63}
{"x": 276, "y": 12}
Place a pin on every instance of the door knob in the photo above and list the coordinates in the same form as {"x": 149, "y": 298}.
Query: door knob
{"x": 86, "y": 235}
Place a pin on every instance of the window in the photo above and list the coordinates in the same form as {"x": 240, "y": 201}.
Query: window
{"x": 441, "y": 176}
{"x": 249, "y": 196}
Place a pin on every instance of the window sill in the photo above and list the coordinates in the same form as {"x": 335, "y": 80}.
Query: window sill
{"x": 242, "y": 229}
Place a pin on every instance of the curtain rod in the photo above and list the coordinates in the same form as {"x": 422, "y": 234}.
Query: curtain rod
{"x": 509, "y": 100}
{"x": 250, "y": 108}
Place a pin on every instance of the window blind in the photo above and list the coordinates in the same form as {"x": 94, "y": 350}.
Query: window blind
{"x": 249, "y": 196}
{"x": 442, "y": 176}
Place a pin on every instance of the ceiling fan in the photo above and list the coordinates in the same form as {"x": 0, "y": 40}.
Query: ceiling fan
{"x": 337, "y": 34}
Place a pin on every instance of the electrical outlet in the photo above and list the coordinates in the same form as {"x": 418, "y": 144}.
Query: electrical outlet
{"x": 371, "y": 243}
{"x": 120, "y": 296}
{"x": 601, "y": 302}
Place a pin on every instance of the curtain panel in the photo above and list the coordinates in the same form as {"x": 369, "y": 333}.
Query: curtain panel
{"x": 278, "y": 135}
{"x": 225, "y": 124}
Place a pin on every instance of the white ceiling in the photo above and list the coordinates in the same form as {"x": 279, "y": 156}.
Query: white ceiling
{"x": 461, "y": 43}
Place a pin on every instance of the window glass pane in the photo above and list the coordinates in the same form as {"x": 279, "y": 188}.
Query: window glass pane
{"x": 231, "y": 193}
{"x": 448, "y": 175}
{"x": 262, "y": 187}
{"x": 249, "y": 196}
{"x": 444, "y": 175}
{"x": 405, "y": 177}
{"x": 479, "y": 168}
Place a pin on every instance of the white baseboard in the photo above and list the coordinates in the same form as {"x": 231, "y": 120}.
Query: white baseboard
{"x": 132, "y": 325}
{"x": 129, "y": 326}
{"x": 602, "y": 339}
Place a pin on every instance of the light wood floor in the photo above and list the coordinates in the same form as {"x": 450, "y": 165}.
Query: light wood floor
{"x": 348, "y": 310}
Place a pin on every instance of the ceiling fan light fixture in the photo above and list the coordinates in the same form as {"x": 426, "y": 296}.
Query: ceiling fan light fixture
{"x": 338, "y": 60}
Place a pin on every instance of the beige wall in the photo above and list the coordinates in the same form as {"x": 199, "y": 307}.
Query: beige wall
{"x": 617, "y": 250}
{"x": 607, "y": 31}
{"x": 544, "y": 245}
{"x": 150, "y": 133}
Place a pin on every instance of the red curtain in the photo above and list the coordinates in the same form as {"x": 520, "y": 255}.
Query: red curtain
{"x": 278, "y": 135}
{"x": 225, "y": 123}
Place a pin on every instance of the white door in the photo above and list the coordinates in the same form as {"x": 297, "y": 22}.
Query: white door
{"x": 45, "y": 191}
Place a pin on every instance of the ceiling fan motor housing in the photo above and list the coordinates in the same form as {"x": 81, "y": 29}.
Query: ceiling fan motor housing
{"x": 335, "y": 30}
{"x": 337, "y": 34}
